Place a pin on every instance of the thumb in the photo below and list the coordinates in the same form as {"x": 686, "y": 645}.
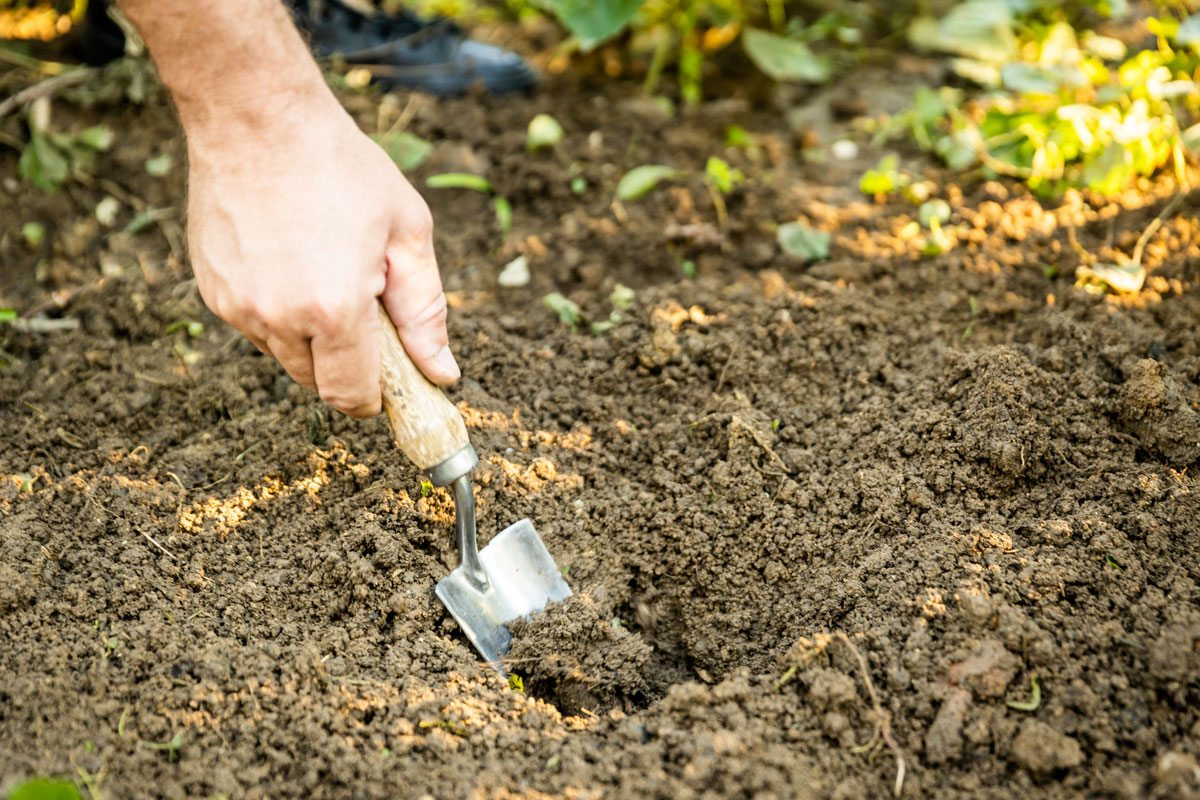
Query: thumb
{"x": 414, "y": 300}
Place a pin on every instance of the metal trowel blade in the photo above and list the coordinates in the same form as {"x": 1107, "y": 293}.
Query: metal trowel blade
{"x": 522, "y": 580}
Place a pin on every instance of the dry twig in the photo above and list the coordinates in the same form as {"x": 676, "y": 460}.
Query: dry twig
{"x": 43, "y": 88}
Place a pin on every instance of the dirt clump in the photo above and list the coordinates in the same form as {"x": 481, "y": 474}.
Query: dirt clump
{"x": 1042, "y": 750}
{"x": 580, "y": 658}
{"x": 1160, "y": 410}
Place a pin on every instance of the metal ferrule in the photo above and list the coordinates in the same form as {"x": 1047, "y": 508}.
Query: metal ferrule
{"x": 454, "y": 467}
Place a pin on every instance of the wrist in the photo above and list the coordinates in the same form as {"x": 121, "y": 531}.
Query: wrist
{"x": 223, "y": 120}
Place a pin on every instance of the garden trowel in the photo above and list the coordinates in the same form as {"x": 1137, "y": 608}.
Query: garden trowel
{"x": 514, "y": 576}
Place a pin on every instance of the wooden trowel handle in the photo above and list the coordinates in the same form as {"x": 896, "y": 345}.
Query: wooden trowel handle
{"x": 424, "y": 423}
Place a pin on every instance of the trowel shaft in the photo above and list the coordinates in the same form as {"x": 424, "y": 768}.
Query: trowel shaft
{"x": 464, "y": 529}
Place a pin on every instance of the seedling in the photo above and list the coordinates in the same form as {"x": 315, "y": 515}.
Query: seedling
{"x": 148, "y": 217}
{"x": 459, "y": 180}
{"x": 51, "y": 157}
{"x": 160, "y": 166}
{"x": 544, "y": 132}
{"x": 621, "y": 299}
{"x": 885, "y": 178}
{"x": 799, "y": 240}
{"x": 34, "y": 233}
{"x": 8, "y": 314}
{"x": 426, "y": 488}
{"x": 504, "y": 214}
{"x": 568, "y": 313}
{"x": 973, "y": 309}
{"x": 938, "y": 241}
{"x": 1112, "y": 563}
{"x": 1035, "y": 697}
{"x": 640, "y": 180}
{"x": 194, "y": 329}
{"x": 478, "y": 183}
{"x": 736, "y": 136}
{"x": 171, "y": 748}
{"x": 516, "y": 684}
{"x": 931, "y": 211}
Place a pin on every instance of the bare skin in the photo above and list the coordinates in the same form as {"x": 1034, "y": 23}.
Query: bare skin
{"x": 297, "y": 221}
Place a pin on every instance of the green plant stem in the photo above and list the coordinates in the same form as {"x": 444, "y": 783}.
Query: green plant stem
{"x": 657, "y": 62}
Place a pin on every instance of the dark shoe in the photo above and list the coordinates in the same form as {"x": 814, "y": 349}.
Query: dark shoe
{"x": 434, "y": 57}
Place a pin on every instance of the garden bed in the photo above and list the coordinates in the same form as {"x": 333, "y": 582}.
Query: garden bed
{"x": 815, "y": 516}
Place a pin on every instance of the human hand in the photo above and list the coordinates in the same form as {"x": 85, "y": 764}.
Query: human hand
{"x": 296, "y": 224}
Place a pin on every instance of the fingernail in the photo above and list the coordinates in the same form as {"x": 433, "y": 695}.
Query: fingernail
{"x": 445, "y": 363}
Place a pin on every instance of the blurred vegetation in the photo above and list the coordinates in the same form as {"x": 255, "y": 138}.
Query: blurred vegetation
{"x": 1040, "y": 93}
{"x": 1057, "y": 104}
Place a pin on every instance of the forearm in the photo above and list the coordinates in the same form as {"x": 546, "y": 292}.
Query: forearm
{"x": 229, "y": 64}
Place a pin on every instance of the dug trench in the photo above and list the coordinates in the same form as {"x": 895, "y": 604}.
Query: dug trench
{"x": 818, "y": 520}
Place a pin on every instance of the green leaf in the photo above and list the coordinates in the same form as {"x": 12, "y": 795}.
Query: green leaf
{"x": 785, "y": 59}
{"x": 504, "y": 215}
{"x": 1035, "y": 697}
{"x": 159, "y": 166}
{"x": 957, "y": 150}
{"x": 1191, "y": 137}
{"x": 97, "y": 137}
{"x": 1023, "y": 77}
{"x": 621, "y": 297}
{"x": 34, "y": 233}
{"x": 801, "y": 241}
{"x": 592, "y": 22}
{"x": 459, "y": 180}
{"x": 568, "y": 313}
{"x": 43, "y": 164}
{"x": 936, "y": 209}
{"x": 405, "y": 149}
{"x": 980, "y": 29}
{"x": 45, "y": 789}
{"x": 8, "y": 314}
{"x": 722, "y": 175}
{"x": 1188, "y": 32}
{"x": 885, "y": 178}
{"x": 928, "y": 106}
{"x": 736, "y": 136}
{"x": 1109, "y": 173}
{"x": 640, "y": 180}
{"x": 143, "y": 220}
{"x": 543, "y": 132}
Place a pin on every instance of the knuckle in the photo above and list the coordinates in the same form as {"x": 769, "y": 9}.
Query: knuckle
{"x": 331, "y": 314}
{"x": 434, "y": 312}
{"x": 355, "y": 404}
{"x": 422, "y": 224}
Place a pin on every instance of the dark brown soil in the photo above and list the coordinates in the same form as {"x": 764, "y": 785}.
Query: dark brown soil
{"x": 815, "y": 517}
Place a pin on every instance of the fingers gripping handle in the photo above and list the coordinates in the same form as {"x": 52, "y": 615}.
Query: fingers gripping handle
{"x": 425, "y": 425}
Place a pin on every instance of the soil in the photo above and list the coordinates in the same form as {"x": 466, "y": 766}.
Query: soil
{"x": 817, "y": 518}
